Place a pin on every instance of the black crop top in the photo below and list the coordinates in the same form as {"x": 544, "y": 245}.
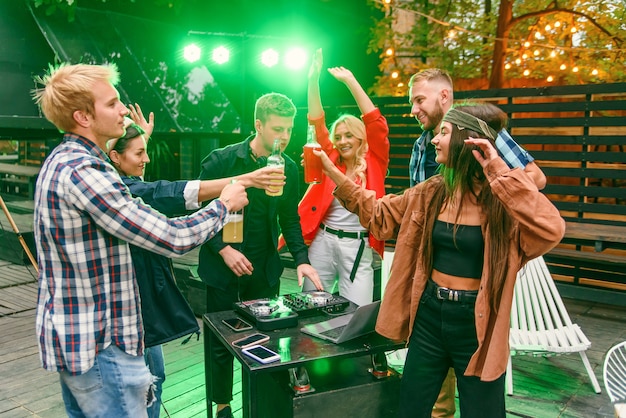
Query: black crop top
{"x": 461, "y": 254}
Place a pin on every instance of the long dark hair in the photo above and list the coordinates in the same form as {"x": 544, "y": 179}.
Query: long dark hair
{"x": 463, "y": 172}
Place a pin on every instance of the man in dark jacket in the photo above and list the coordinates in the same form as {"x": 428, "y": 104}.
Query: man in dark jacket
{"x": 252, "y": 269}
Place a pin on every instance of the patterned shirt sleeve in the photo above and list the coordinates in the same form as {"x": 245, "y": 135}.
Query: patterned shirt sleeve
{"x": 511, "y": 152}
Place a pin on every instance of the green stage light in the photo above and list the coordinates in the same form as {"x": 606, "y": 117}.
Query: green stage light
{"x": 192, "y": 52}
{"x": 295, "y": 58}
{"x": 221, "y": 55}
{"x": 269, "y": 57}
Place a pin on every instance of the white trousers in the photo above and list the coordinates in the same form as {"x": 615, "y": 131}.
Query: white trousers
{"x": 334, "y": 259}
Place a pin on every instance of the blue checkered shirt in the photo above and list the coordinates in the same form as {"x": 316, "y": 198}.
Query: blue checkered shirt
{"x": 84, "y": 219}
{"x": 510, "y": 151}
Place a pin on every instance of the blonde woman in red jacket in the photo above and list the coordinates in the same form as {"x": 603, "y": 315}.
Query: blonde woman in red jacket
{"x": 340, "y": 247}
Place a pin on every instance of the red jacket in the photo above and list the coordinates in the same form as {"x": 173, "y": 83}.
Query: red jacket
{"x": 318, "y": 197}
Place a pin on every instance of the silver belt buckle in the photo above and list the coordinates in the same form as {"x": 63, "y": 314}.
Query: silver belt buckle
{"x": 452, "y": 294}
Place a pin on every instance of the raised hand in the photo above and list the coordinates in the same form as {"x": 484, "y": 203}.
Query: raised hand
{"x": 342, "y": 74}
{"x": 485, "y": 152}
{"x": 137, "y": 116}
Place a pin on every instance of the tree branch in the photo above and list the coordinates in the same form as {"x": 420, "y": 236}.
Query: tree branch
{"x": 616, "y": 40}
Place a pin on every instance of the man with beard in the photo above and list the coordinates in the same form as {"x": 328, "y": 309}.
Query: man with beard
{"x": 431, "y": 96}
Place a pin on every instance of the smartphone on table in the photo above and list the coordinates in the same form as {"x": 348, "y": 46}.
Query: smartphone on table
{"x": 237, "y": 324}
{"x": 261, "y": 354}
{"x": 250, "y": 340}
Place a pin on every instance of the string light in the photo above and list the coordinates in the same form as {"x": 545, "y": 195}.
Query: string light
{"x": 389, "y": 52}
{"x": 394, "y": 74}
{"x": 575, "y": 69}
{"x": 594, "y": 72}
{"x": 563, "y": 66}
{"x": 550, "y": 79}
{"x": 526, "y": 73}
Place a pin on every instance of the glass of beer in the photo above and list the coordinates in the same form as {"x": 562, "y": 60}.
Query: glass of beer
{"x": 233, "y": 230}
{"x": 312, "y": 164}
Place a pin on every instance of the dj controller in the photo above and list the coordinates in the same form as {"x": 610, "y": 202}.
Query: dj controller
{"x": 283, "y": 311}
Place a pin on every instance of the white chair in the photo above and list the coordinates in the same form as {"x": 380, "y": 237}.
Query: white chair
{"x": 614, "y": 374}
{"x": 540, "y": 324}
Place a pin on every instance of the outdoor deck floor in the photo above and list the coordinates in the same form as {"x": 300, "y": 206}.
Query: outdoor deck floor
{"x": 543, "y": 387}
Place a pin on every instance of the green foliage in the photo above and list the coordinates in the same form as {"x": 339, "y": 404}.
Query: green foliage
{"x": 459, "y": 36}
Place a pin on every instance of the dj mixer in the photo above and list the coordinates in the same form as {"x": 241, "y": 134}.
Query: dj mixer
{"x": 283, "y": 311}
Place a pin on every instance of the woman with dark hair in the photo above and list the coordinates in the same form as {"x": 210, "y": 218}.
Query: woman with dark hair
{"x": 165, "y": 311}
{"x": 461, "y": 238}
{"x": 340, "y": 248}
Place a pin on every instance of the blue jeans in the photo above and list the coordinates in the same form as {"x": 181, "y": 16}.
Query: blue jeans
{"x": 444, "y": 336}
{"x": 156, "y": 363}
{"x": 118, "y": 385}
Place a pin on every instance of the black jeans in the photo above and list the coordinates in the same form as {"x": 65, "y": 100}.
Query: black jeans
{"x": 444, "y": 336}
{"x": 245, "y": 288}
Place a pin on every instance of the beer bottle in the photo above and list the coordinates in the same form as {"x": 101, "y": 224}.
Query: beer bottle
{"x": 276, "y": 160}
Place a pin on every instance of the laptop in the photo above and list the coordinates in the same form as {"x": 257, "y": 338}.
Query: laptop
{"x": 346, "y": 327}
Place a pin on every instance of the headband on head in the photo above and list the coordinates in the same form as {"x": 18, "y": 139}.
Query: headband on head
{"x": 466, "y": 121}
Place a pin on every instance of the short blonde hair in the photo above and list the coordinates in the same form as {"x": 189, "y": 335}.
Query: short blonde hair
{"x": 432, "y": 74}
{"x": 68, "y": 88}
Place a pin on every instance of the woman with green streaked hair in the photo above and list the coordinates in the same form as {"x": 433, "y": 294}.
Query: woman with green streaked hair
{"x": 461, "y": 237}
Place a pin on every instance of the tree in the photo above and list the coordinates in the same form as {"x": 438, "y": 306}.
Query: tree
{"x": 559, "y": 42}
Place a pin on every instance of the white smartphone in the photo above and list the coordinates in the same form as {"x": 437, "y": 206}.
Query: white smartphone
{"x": 236, "y": 324}
{"x": 261, "y": 354}
{"x": 250, "y": 340}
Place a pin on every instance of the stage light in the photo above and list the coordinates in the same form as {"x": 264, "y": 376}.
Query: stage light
{"x": 295, "y": 58}
{"x": 269, "y": 57}
{"x": 221, "y": 55}
{"x": 192, "y": 52}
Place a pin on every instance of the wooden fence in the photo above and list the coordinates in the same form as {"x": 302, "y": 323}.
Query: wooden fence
{"x": 577, "y": 135}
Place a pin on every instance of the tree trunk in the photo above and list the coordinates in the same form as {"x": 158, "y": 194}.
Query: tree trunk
{"x": 505, "y": 16}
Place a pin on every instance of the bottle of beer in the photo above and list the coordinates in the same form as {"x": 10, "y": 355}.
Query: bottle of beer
{"x": 312, "y": 163}
{"x": 276, "y": 160}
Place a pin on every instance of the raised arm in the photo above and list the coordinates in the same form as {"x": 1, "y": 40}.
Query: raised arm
{"x": 346, "y": 77}
{"x": 262, "y": 178}
{"x": 314, "y": 99}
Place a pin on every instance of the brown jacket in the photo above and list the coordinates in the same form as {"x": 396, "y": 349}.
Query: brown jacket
{"x": 537, "y": 228}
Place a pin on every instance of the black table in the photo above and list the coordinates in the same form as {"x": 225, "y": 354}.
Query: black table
{"x": 295, "y": 348}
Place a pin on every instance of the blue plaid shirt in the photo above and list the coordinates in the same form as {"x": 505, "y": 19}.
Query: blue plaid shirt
{"x": 421, "y": 167}
{"x": 84, "y": 219}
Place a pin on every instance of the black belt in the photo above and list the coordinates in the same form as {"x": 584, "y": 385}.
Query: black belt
{"x": 443, "y": 293}
{"x": 344, "y": 234}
